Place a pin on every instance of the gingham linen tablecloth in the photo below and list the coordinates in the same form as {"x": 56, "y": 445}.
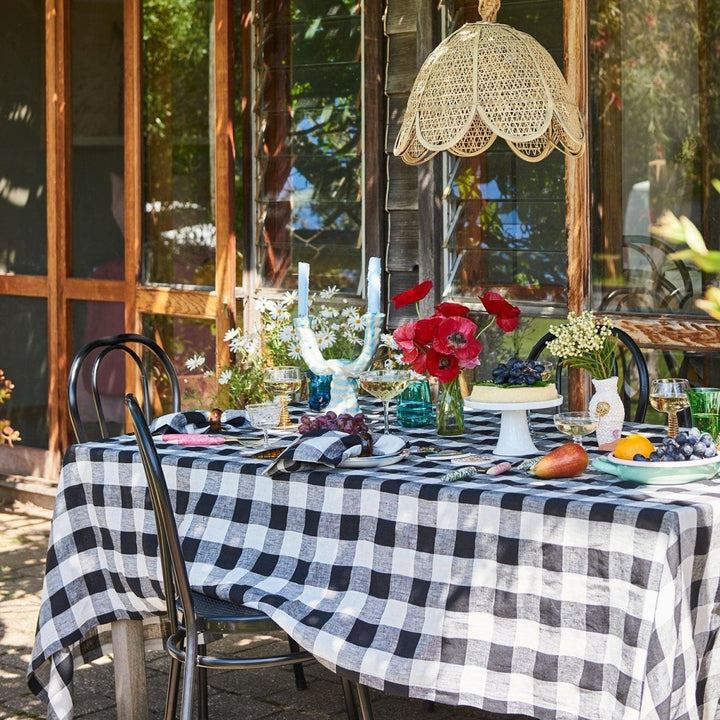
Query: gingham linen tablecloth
{"x": 587, "y": 598}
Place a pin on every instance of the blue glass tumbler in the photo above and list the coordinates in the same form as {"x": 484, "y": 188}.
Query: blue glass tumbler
{"x": 414, "y": 406}
{"x": 318, "y": 390}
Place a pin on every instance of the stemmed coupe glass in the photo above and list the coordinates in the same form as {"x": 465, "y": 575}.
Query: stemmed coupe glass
{"x": 264, "y": 416}
{"x": 282, "y": 381}
{"x": 385, "y": 385}
{"x": 575, "y": 424}
{"x": 669, "y": 395}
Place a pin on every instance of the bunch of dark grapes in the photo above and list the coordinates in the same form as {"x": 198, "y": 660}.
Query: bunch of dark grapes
{"x": 690, "y": 445}
{"x": 345, "y": 422}
{"x": 518, "y": 372}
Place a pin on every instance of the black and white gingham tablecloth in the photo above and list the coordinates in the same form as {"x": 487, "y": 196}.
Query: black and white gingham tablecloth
{"x": 586, "y": 598}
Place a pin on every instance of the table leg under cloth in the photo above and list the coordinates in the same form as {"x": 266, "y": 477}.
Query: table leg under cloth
{"x": 129, "y": 663}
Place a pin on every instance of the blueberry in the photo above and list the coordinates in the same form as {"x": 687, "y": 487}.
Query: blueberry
{"x": 694, "y": 433}
{"x": 653, "y": 457}
{"x": 707, "y": 438}
{"x": 639, "y": 457}
{"x": 695, "y": 457}
{"x": 710, "y": 452}
{"x": 681, "y": 438}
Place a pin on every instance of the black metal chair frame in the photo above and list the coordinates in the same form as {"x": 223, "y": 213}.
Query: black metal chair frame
{"x": 107, "y": 345}
{"x": 643, "y": 393}
{"x": 192, "y": 614}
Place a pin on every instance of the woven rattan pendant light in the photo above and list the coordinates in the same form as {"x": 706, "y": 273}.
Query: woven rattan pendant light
{"x": 485, "y": 80}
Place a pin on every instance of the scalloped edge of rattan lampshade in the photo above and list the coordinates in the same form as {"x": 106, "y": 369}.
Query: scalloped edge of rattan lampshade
{"x": 488, "y": 80}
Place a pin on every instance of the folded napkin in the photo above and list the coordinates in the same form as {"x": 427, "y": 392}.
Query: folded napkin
{"x": 198, "y": 421}
{"x": 330, "y": 448}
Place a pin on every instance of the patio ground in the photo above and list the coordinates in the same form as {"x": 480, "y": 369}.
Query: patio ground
{"x": 253, "y": 695}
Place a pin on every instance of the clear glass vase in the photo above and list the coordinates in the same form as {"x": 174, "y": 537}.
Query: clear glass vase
{"x": 450, "y": 409}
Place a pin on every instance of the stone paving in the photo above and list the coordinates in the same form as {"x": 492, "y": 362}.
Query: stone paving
{"x": 251, "y": 695}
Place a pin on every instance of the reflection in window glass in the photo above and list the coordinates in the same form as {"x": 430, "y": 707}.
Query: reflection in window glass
{"x": 23, "y": 238}
{"x": 655, "y": 113}
{"x": 309, "y": 146}
{"x": 97, "y": 149}
{"x": 179, "y": 225}
{"x": 504, "y": 218}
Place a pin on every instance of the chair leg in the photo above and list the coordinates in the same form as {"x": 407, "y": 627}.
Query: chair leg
{"x": 202, "y": 690}
{"x": 300, "y": 682}
{"x": 189, "y": 679}
{"x": 364, "y": 698}
{"x": 172, "y": 689}
{"x": 349, "y": 697}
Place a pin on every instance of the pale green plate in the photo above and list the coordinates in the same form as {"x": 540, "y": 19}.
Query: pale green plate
{"x": 659, "y": 473}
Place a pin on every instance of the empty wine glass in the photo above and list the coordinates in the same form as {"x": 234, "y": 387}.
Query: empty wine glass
{"x": 263, "y": 416}
{"x": 282, "y": 381}
{"x": 669, "y": 395}
{"x": 385, "y": 385}
{"x": 575, "y": 424}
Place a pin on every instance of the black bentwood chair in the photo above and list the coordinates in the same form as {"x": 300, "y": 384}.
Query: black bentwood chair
{"x": 629, "y": 364}
{"x": 192, "y": 614}
{"x": 100, "y": 365}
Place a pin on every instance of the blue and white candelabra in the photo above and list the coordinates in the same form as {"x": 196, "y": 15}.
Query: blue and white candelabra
{"x": 343, "y": 388}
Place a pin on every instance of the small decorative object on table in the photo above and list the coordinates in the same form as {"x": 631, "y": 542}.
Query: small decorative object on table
{"x": 318, "y": 390}
{"x": 588, "y": 343}
{"x": 343, "y": 388}
{"x": 445, "y": 343}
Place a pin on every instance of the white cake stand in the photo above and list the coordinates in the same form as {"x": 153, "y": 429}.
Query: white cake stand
{"x": 514, "y": 439}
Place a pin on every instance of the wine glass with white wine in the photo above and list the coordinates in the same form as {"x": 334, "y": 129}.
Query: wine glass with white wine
{"x": 575, "y": 424}
{"x": 385, "y": 385}
{"x": 281, "y": 381}
{"x": 669, "y": 395}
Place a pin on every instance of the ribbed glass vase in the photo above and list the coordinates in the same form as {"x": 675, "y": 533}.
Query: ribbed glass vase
{"x": 450, "y": 418}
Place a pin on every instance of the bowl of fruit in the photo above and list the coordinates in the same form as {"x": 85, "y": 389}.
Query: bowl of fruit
{"x": 691, "y": 455}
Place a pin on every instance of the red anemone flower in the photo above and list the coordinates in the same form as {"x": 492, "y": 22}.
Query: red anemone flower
{"x": 456, "y": 336}
{"x": 506, "y": 315}
{"x": 444, "y": 367}
{"x": 413, "y": 295}
{"x": 451, "y": 309}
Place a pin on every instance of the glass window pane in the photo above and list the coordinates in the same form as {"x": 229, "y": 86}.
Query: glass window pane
{"x": 504, "y": 218}
{"x": 23, "y": 325}
{"x": 309, "y": 75}
{"x": 179, "y": 220}
{"x": 654, "y": 112}
{"x": 97, "y": 150}
{"x": 182, "y": 339}
{"x": 23, "y": 231}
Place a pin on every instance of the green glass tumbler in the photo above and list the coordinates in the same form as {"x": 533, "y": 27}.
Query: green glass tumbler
{"x": 705, "y": 410}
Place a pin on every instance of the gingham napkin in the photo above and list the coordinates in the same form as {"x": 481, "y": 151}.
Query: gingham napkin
{"x": 198, "y": 421}
{"x": 330, "y": 447}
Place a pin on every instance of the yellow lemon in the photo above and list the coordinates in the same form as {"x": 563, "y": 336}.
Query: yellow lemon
{"x": 632, "y": 445}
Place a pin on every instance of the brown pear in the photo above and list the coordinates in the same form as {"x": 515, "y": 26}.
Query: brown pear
{"x": 568, "y": 460}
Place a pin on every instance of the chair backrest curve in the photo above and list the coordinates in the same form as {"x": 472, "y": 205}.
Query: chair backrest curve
{"x": 107, "y": 346}
{"x": 174, "y": 570}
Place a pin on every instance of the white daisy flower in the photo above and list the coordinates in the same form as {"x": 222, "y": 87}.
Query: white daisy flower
{"x": 294, "y": 350}
{"x": 329, "y": 292}
{"x": 325, "y": 339}
{"x": 230, "y": 334}
{"x": 224, "y": 377}
{"x": 195, "y": 362}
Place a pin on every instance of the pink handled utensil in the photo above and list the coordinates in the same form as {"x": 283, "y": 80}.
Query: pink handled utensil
{"x": 201, "y": 439}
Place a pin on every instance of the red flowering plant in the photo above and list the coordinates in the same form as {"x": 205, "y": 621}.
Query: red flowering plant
{"x": 448, "y": 341}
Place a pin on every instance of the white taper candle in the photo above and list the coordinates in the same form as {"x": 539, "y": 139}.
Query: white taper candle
{"x": 373, "y": 285}
{"x": 303, "y": 282}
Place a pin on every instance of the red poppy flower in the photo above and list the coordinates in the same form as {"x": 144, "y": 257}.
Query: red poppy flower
{"x": 404, "y": 336}
{"x": 451, "y": 309}
{"x": 413, "y": 295}
{"x": 456, "y": 336}
{"x": 425, "y": 330}
{"x": 444, "y": 367}
{"x": 506, "y": 314}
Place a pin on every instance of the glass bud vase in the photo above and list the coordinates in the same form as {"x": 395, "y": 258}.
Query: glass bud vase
{"x": 414, "y": 407}
{"x": 450, "y": 409}
{"x": 318, "y": 390}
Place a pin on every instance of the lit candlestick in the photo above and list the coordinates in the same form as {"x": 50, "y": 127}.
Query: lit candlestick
{"x": 373, "y": 285}
{"x": 303, "y": 281}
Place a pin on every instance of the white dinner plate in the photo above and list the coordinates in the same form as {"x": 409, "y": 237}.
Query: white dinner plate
{"x": 370, "y": 461}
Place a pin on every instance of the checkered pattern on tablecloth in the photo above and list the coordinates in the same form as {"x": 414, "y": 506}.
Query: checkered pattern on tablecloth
{"x": 584, "y": 598}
